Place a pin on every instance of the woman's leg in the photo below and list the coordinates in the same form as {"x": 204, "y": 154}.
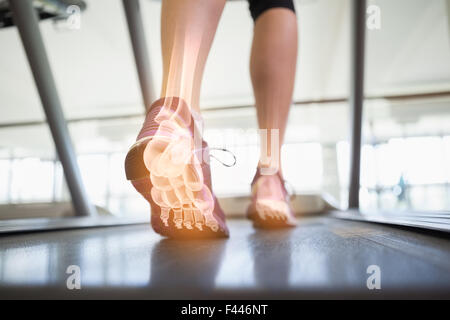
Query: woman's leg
{"x": 187, "y": 31}
{"x": 166, "y": 165}
{"x": 272, "y": 68}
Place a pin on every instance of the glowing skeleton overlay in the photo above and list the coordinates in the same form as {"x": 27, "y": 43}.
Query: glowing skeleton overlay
{"x": 175, "y": 169}
{"x": 270, "y": 200}
{"x": 176, "y": 175}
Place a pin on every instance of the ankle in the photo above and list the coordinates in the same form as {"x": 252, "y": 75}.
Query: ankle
{"x": 172, "y": 109}
{"x": 269, "y": 170}
{"x": 150, "y": 126}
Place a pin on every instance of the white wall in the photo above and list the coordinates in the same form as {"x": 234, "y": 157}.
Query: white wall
{"x": 95, "y": 72}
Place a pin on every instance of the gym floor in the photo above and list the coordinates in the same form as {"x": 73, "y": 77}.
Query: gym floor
{"x": 322, "y": 258}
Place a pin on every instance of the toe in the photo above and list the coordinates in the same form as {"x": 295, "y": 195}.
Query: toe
{"x": 277, "y": 214}
{"x": 280, "y": 214}
{"x": 178, "y": 217}
{"x": 269, "y": 213}
{"x": 198, "y": 218}
{"x": 165, "y": 212}
{"x": 188, "y": 217}
{"x": 211, "y": 222}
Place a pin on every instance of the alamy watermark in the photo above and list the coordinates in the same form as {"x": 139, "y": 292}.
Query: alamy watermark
{"x": 71, "y": 19}
{"x": 373, "y": 21}
{"x": 374, "y": 279}
{"x": 73, "y": 282}
{"x": 269, "y": 143}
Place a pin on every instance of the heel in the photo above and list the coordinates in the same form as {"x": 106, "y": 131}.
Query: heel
{"x": 135, "y": 168}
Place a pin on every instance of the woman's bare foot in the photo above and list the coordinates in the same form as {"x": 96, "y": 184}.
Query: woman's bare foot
{"x": 270, "y": 206}
{"x": 173, "y": 173}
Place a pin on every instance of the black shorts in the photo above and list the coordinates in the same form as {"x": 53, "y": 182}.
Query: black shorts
{"x": 257, "y": 7}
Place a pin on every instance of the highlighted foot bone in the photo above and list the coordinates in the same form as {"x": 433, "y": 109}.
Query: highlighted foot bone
{"x": 177, "y": 178}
